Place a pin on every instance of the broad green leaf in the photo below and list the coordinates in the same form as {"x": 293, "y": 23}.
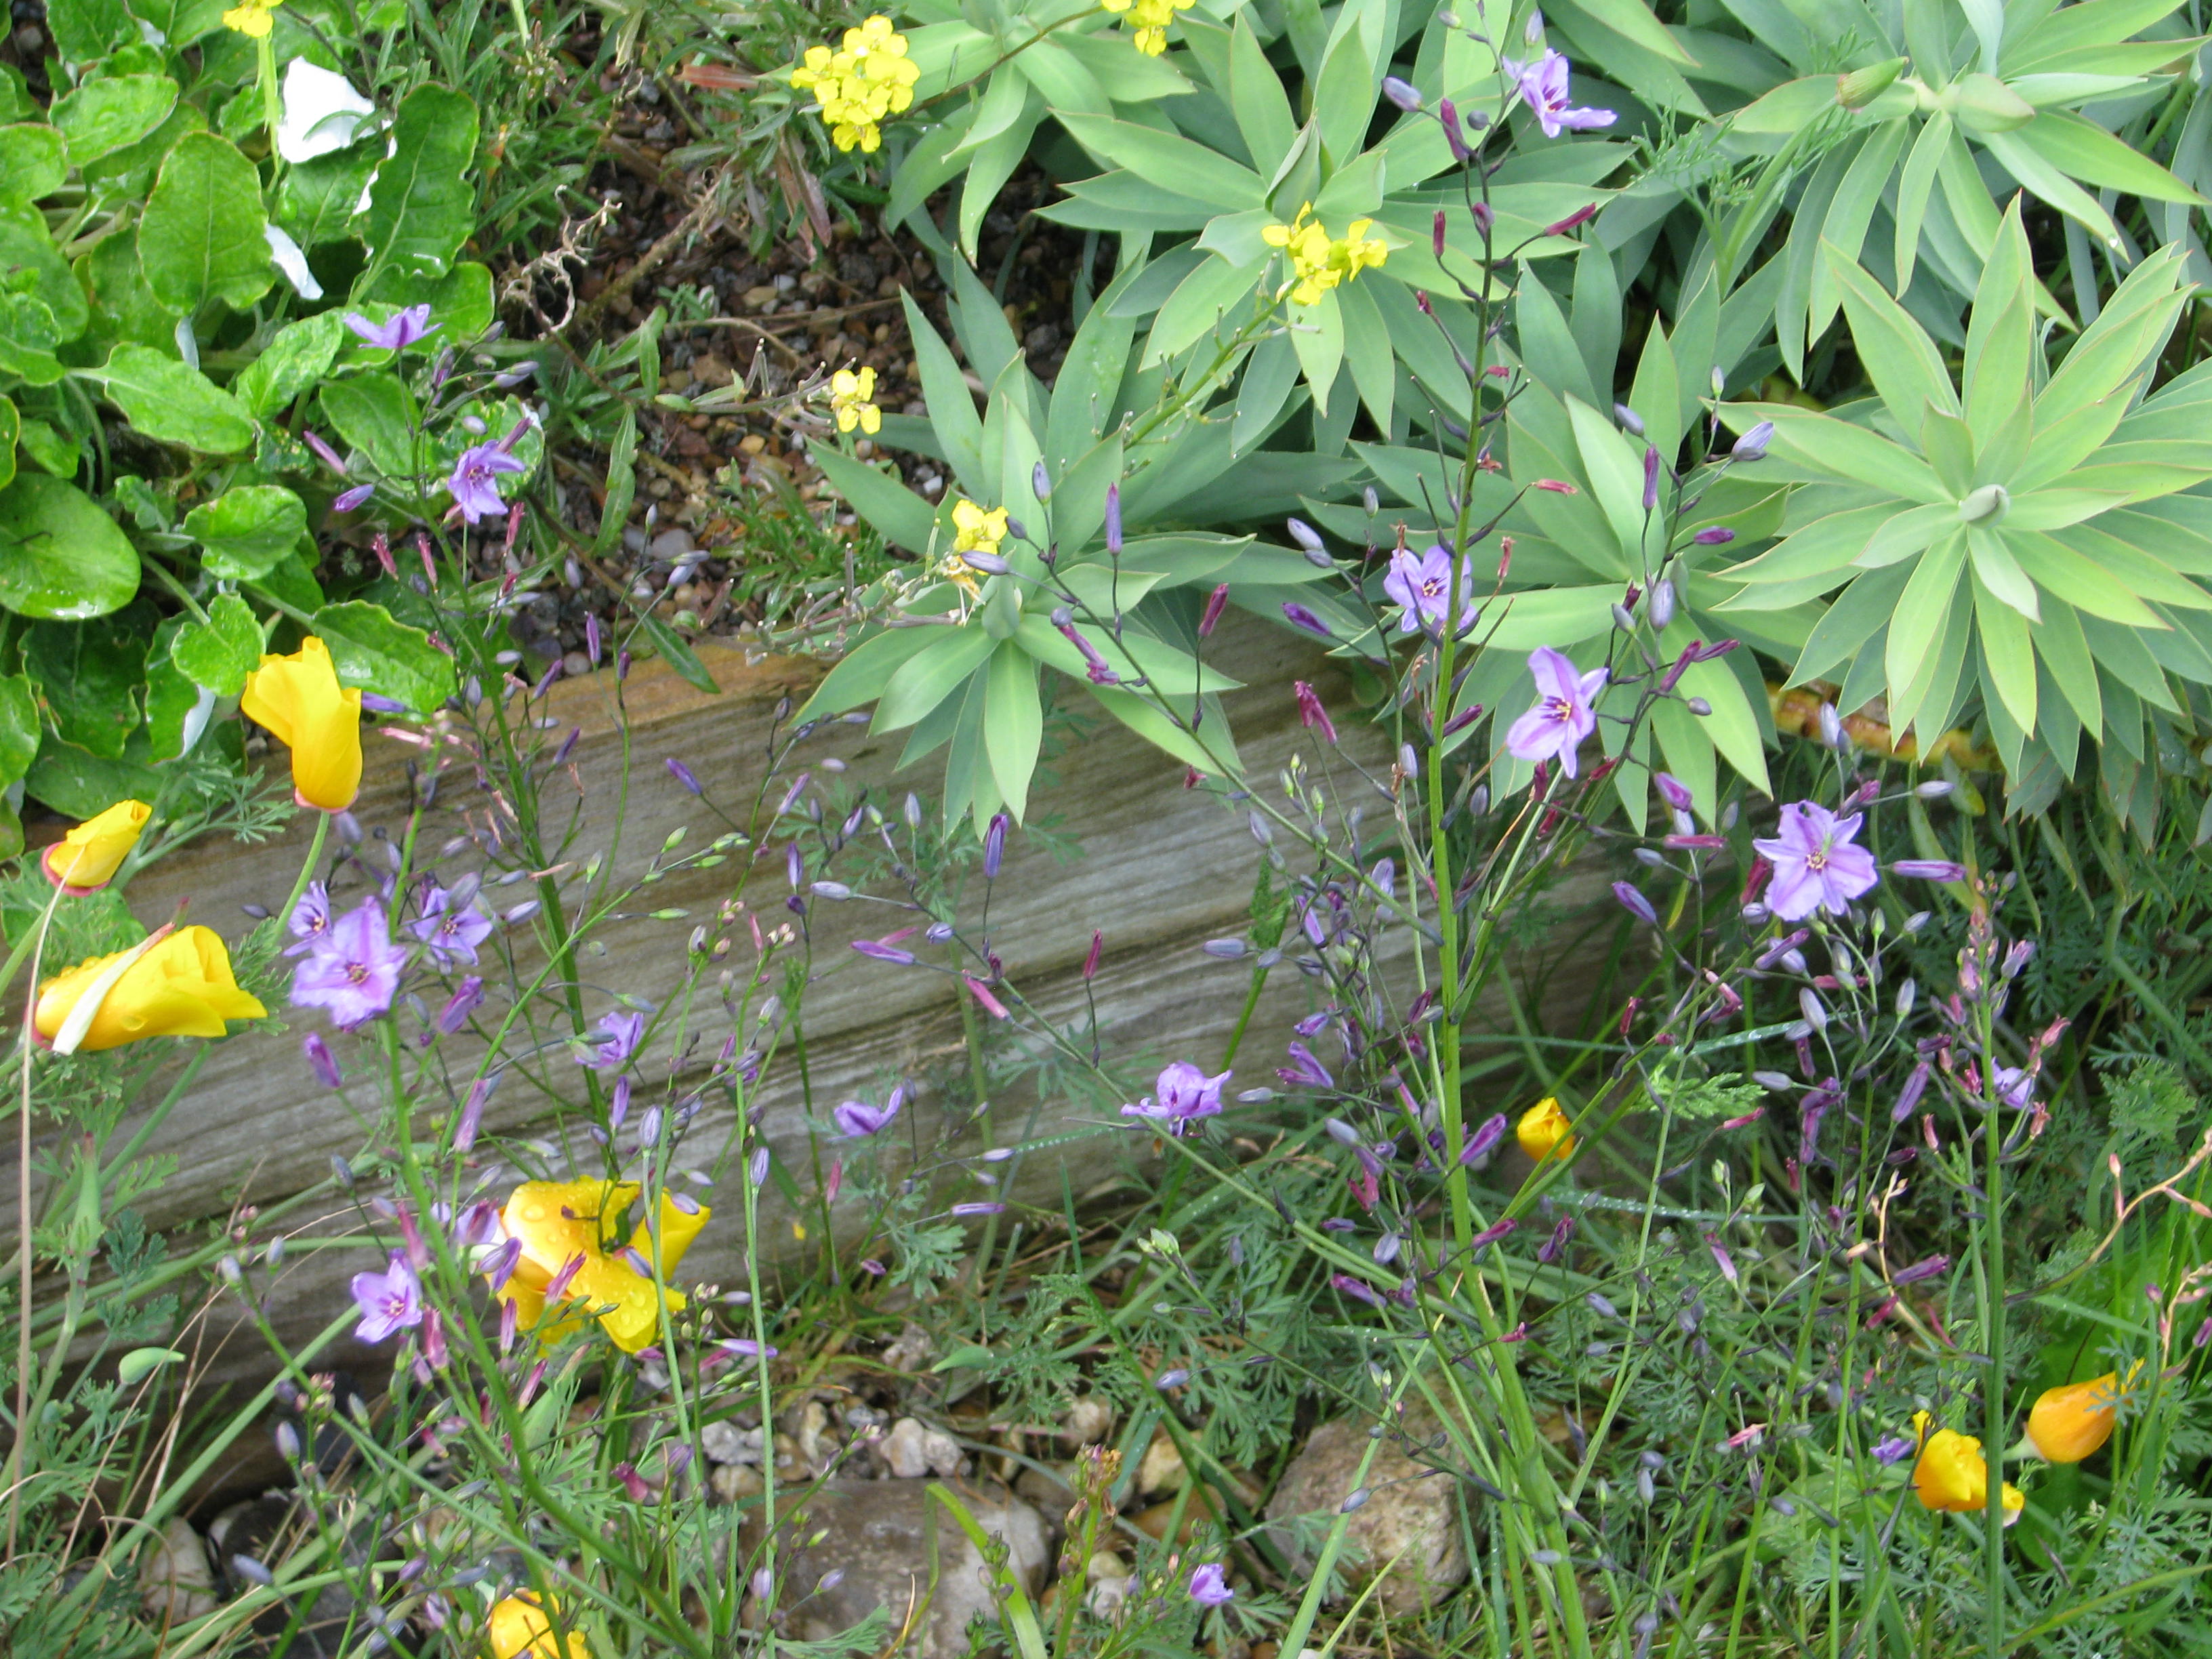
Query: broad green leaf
{"x": 678, "y": 654}
{"x": 952, "y": 414}
{"x": 1829, "y": 448}
{"x": 170, "y": 402}
{"x": 621, "y": 484}
{"x": 19, "y": 728}
{"x": 2007, "y": 655}
{"x": 61, "y": 556}
{"x": 1317, "y": 336}
{"x": 375, "y": 414}
{"x": 127, "y": 173}
{"x": 1013, "y": 723}
{"x": 2027, "y": 164}
{"x": 926, "y": 679}
{"x": 860, "y": 676}
{"x": 376, "y": 653}
{"x": 1999, "y": 574}
{"x": 84, "y": 30}
{"x": 11, "y": 426}
{"x": 219, "y": 654}
{"x": 1903, "y": 362}
{"x": 25, "y": 245}
{"x": 1061, "y": 79}
{"x": 2079, "y": 581}
{"x": 247, "y": 532}
{"x": 28, "y": 340}
{"x": 2082, "y": 149}
{"x": 87, "y": 674}
{"x": 1851, "y": 210}
{"x": 1733, "y": 727}
{"x": 49, "y": 449}
{"x": 34, "y": 162}
{"x": 1632, "y": 20}
{"x": 1256, "y": 99}
{"x": 898, "y": 514}
{"x": 2065, "y": 654}
{"x": 1914, "y": 186}
{"x": 1170, "y": 162}
{"x": 299, "y": 357}
{"x": 1859, "y": 613}
{"x": 1213, "y": 753}
{"x": 1915, "y": 632}
{"x": 1787, "y": 109}
{"x": 1269, "y": 374}
{"x": 1215, "y": 294}
{"x": 422, "y": 208}
{"x": 991, "y": 165}
{"x": 201, "y": 237}
{"x": 125, "y": 310}
{"x": 1827, "y": 547}
{"x": 315, "y": 202}
{"x": 115, "y": 110}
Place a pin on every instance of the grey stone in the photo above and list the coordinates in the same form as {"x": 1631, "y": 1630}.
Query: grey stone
{"x": 175, "y": 1582}
{"x": 905, "y": 1449}
{"x": 876, "y": 1533}
{"x": 672, "y": 544}
{"x": 942, "y": 1452}
{"x": 1409, "y": 1523}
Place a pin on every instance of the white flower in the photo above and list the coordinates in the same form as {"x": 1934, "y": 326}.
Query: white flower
{"x": 322, "y": 112}
{"x": 293, "y": 262}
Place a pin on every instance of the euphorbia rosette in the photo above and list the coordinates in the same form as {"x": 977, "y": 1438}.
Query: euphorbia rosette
{"x": 86, "y": 859}
{"x": 564, "y": 1257}
{"x": 177, "y": 984}
{"x": 299, "y": 699}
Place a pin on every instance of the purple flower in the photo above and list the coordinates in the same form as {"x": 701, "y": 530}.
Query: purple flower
{"x": 1185, "y": 1094}
{"x": 1544, "y": 89}
{"x": 1423, "y": 586}
{"x": 310, "y": 920}
{"x": 1209, "y": 1589}
{"x": 2015, "y": 1087}
{"x": 1919, "y": 1270}
{"x": 353, "y": 971}
{"x": 857, "y": 1118}
{"x": 452, "y": 927}
{"x": 467, "y": 998}
{"x": 1562, "y": 716}
{"x": 1751, "y": 446}
{"x": 1815, "y": 866}
{"x": 1894, "y": 1450}
{"x": 389, "y": 1300}
{"x": 474, "y": 482}
{"x": 1304, "y": 1072}
{"x": 404, "y": 329}
{"x": 612, "y": 1052}
{"x": 1311, "y": 711}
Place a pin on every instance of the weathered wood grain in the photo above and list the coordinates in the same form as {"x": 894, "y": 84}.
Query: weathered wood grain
{"x": 1158, "y": 868}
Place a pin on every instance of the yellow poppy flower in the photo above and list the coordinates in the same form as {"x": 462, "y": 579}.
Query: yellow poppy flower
{"x": 2066, "y": 1424}
{"x": 179, "y": 986}
{"x": 1952, "y": 1475}
{"x": 518, "y": 1625}
{"x": 87, "y": 857}
{"x": 300, "y": 701}
{"x": 1542, "y": 1131}
{"x": 561, "y": 1222}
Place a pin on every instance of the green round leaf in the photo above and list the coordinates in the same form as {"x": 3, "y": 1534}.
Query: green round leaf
{"x": 34, "y": 162}
{"x": 219, "y": 654}
{"x": 247, "y": 532}
{"x": 201, "y": 237}
{"x": 173, "y": 403}
{"x": 379, "y": 654}
{"x": 115, "y": 110}
{"x": 61, "y": 557}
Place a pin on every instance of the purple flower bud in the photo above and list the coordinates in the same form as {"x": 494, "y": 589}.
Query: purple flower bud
{"x": 1484, "y": 217}
{"x": 1485, "y": 1137}
{"x": 1663, "y": 603}
{"x": 1634, "y": 904}
{"x": 1631, "y": 422}
{"x": 1114, "y": 519}
{"x": 356, "y": 497}
{"x": 1300, "y": 617}
{"x": 319, "y": 1057}
{"x": 1894, "y": 1450}
{"x": 1548, "y": 1252}
{"x": 995, "y": 843}
{"x": 1447, "y": 112}
{"x": 757, "y": 1167}
{"x": 1651, "y": 477}
{"x": 592, "y": 639}
{"x": 1751, "y": 446}
{"x": 990, "y": 563}
{"x": 682, "y": 773}
{"x": 1930, "y": 869}
{"x": 1675, "y": 792}
{"x": 464, "y": 1001}
{"x": 1355, "y": 1289}
{"x": 322, "y": 452}
{"x": 1920, "y": 1270}
{"x": 1491, "y": 1235}
{"x": 1437, "y": 235}
{"x": 1216, "y": 602}
{"x": 881, "y": 952}
{"x": 465, "y": 1130}
{"x": 977, "y": 1208}
{"x": 1933, "y": 789}
{"x": 1404, "y": 95}
{"x": 1714, "y": 535}
{"x": 1228, "y": 950}
{"x": 1308, "y": 539}
{"x": 1908, "y": 1098}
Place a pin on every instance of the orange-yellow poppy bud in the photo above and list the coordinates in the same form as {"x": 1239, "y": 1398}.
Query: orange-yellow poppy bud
{"x": 2065, "y": 1425}
{"x": 1542, "y": 1131}
{"x": 87, "y": 857}
{"x": 519, "y": 1626}
{"x": 179, "y": 986}
{"x": 300, "y": 700}
{"x": 1952, "y": 1474}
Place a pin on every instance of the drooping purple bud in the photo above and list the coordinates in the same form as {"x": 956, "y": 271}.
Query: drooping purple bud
{"x": 1485, "y": 1137}
{"x": 1631, "y": 422}
{"x": 990, "y": 563}
{"x": 1663, "y": 603}
{"x": 1300, "y": 617}
{"x": 322, "y": 452}
{"x": 1306, "y": 536}
{"x": 1751, "y": 446}
{"x": 682, "y": 773}
{"x": 1580, "y": 215}
{"x": 471, "y": 1117}
{"x": 592, "y": 639}
{"x": 1091, "y": 960}
{"x": 1930, "y": 869}
{"x": 1486, "y": 220}
{"x": 354, "y": 498}
{"x": 1437, "y": 235}
{"x": 1634, "y": 904}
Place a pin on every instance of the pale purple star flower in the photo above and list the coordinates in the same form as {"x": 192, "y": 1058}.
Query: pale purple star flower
{"x": 1543, "y": 87}
{"x": 353, "y": 971}
{"x": 404, "y": 330}
{"x": 310, "y": 920}
{"x": 1815, "y": 866}
{"x": 1423, "y": 586}
{"x": 1182, "y": 1095}
{"x": 857, "y": 1118}
{"x": 474, "y": 483}
{"x": 452, "y": 927}
{"x": 611, "y": 1053}
{"x": 1209, "y": 1588}
{"x": 389, "y": 1300}
{"x": 1562, "y": 716}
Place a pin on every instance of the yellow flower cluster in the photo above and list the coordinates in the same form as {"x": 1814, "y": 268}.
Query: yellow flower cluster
{"x": 978, "y": 532}
{"x": 867, "y": 79}
{"x": 253, "y": 18}
{"x": 1151, "y": 18}
{"x": 1318, "y": 261}
{"x": 852, "y": 401}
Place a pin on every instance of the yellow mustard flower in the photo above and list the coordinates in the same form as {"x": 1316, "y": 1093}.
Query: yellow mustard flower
{"x": 1952, "y": 1474}
{"x": 1319, "y": 261}
{"x": 852, "y": 401}
{"x": 1542, "y": 1131}
{"x": 976, "y": 531}
{"x": 518, "y": 1625}
{"x": 254, "y": 19}
{"x": 2066, "y": 1424}
{"x": 179, "y": 984}
{"x": 1151, "y": 18}
{"x": 87, "y": 857}
{"x": 300, "y": 701}
{"x": 868, "y": 77}
{"x": 562, "y": 1222}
